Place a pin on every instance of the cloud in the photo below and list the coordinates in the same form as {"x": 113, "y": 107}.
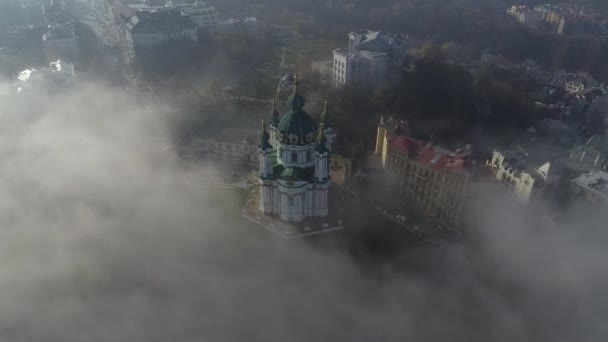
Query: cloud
{"x": 106, "y": 236}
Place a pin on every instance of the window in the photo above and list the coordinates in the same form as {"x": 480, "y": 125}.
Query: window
{"x": 309, "y": 155}
{"x": 294, "y": 157}
{"x": 290, "y": 201}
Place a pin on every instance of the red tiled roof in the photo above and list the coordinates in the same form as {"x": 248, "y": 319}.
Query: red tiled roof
{"x": 405, "y": 144}
{"x": 429, "y": 155}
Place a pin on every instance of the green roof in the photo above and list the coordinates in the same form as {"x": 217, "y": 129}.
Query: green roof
{"x": 274, "y": 115}
{"x": 296, "y": 101}
{"x": 264, "y": 139}
{"x": 321, "y": 143}
{"x": 325, "y": 117}
{"x": 297, "y": 123}
{"x": 296, "y": 127}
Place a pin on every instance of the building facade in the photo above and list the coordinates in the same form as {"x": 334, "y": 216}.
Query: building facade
{"x": 245, "y": 151}
{"x": 593, "y": 154}
{"x": 239, "y": 25}
{"x": 58, "y": 77}
{"x": 561, "y": 19}
{"x": 294, "y": 160}
{"x": 152, "y": 29}
{"x": 369, "y": 56}
{"x": 203, "y": 15}
{"x": 511, "y": 169}
{"x": 436, "y": 179}
{"x": 592, "y": 187}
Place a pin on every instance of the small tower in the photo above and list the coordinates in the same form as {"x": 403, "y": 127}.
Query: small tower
{"x": 321, "y": 178}
{"x": 265, "y": 171}
{"x": 330, "y": 133}
{"x": 274, "y": 123}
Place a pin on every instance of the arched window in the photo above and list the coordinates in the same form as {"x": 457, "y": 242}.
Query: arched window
{"x": 294, "y": 157}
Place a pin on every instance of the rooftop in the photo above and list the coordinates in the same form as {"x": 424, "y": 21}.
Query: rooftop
{"x": 159, "y": 21}
{"x": 595, "y": 182}
{"x": 425, "y": 152}
{"x": 376, "y": 41}
{"x": 64, "y": 31}
{"x": 573, "y": 12}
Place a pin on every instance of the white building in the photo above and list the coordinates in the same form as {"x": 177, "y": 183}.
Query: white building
{"x": 58, "y": 77}
{"x": 369, "y": 56}
{"x": 242, "y": 25}
{"x": 151, "y": 29}
{"x": 245, "y": 151}
{"x": 203, "y": 15}
{"x": 294, "y": 160}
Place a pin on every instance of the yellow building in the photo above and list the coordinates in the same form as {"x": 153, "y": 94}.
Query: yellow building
{"x": 436, "y": 179}
{"x": 511, "y": 169}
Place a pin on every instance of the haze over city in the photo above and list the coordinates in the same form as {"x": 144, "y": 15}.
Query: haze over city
{"x": 277, "y": 170}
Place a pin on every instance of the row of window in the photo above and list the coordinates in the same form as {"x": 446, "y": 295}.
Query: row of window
{"x": 226, "y": 147}
{"x": 293, "y": 158}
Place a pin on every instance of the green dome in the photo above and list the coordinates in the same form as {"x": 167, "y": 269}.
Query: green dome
{"x": 296, "y": 128}
{"x": 296, "y": 101}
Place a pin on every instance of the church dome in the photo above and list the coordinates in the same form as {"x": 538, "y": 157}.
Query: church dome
{"x": 296, "y": 127}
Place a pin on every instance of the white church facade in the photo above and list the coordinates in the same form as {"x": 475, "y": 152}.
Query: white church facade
{"x": 294, "y": 160}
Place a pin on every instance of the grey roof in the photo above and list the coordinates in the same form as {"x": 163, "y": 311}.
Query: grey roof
{"x": 64, "y": 31}
{"x": 162, "y": 21}
{"x": 378, "y": 41}
{"x": 595, "y": 182}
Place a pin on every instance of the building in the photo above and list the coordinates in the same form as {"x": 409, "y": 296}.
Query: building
{"x": 242, "y": 151}
{"x": 434, "y": 178}
{"x": 60, "y": 42}
{"x": 293, "y": 174}
{"x": 593, "y": 187}
{"x": 58, "y": 77}
{"x": 369, "y": 56}
{"x": 516, "y": 172}
{"x": 203, "y": 15}
{"x": 574, "y": 83}
{"x": 54, "y": 11}
{"x": 593, "y": 154}
{"x": 239, "y": 25}
{"x": 561, "y": 19}
{"x": 152, "y": 29}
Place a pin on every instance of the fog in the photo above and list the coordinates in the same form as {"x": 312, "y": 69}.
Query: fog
{"x": 107, "y": 236}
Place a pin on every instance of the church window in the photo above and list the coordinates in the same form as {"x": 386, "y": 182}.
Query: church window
{"x": 310, "y": 137}
{"x": 290, "y": 201}
{"x": 294, "y": 157}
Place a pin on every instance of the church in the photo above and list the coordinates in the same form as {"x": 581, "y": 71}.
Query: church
{"x": 294, "y": 160}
